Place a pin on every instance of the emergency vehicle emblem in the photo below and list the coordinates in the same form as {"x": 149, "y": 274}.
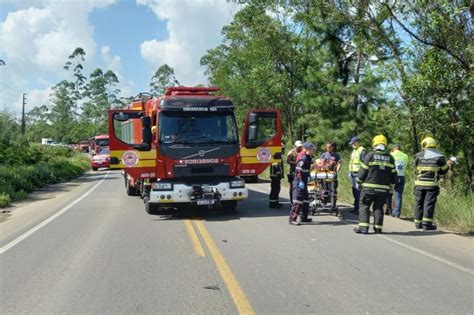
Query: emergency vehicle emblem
{"x": 264, "y": 154}
{"x": 130, "y": 158}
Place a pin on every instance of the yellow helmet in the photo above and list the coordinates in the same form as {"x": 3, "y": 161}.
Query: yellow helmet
{"x": 428, "y": 142}
{"x": 380, "y": 139}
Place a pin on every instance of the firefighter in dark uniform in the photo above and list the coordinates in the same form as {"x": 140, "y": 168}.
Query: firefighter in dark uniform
{"x": 429, "y": 165}
{"x": 300, "y": 207}
{"x": 377, "y": 177}
{"x": 276, "y": 174}
{"x": 291, "y": 160}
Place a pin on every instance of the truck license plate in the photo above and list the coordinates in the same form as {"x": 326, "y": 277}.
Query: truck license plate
{"x": 205, "y": 202}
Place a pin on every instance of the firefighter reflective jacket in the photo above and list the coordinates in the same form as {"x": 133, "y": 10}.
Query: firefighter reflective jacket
{"x": 357, "y": 157}
{"x": 276, "y": 171}
{"x": 303, "y": 167}
{"x": 377, "y": 174}
{"x": 429, "y": 165}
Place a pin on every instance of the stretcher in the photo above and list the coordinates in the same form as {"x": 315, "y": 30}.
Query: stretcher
{"x": 322, "y": 193}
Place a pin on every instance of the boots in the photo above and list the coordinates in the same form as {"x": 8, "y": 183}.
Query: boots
{"x": 430, "y": 227}
{"x": 275, "y": 205}
{"x": 360, "y": 230}
{"x": 377, "y": 231}
{"x": 297, "y": 221}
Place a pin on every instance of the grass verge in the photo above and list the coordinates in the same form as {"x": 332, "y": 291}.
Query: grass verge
{"x": 16, "y": 181}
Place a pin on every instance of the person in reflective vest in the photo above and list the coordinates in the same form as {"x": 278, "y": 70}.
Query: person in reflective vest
{"x": 376, "y": 178}
{"x": 300, "y": 207}
{"x": 401, "y": 163}
{"x": 358, "y": 155}
{"x": 429, "y": 165}
{"x": 276, "y": 174}
{"x": 291, "y": 160}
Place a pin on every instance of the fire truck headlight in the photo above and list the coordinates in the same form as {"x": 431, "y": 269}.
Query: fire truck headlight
{"x": 161, "y": 186}
{"x": 237, "y": 183}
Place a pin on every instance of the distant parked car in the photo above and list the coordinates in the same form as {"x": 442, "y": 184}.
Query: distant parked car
{"x": 101, "y": 159}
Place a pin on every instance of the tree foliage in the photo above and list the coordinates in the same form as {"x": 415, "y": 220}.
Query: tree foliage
{"x": 339, "y": 68}
{"x": 78, "y": 107}
{"x": 164, "y": 77}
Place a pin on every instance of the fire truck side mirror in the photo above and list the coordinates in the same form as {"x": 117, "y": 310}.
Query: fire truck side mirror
{"x": 252, "y": 127}
{"x": 252, "y": 133}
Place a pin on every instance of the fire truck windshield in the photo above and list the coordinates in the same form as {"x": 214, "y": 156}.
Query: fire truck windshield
{"x": 102, "y": 142}
{"x": 197, "y": 128}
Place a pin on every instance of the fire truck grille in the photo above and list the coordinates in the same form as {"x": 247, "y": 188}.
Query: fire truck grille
{"x": 200, "y": 170}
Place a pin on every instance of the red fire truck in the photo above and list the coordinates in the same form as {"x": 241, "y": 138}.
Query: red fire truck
{"x": 98, "y": 142}
{"x": 183, "y": 148}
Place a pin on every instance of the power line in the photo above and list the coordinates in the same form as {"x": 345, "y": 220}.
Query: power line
{"x": 11, "y": 94}
{"x": 6, "y": 85}
{"x": 9, "y": 99}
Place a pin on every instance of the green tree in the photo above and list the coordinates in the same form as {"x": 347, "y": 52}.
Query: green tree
{"x": 74, "y": 63}
{"x": 95, "y": 109}
{"x": 164, "y": 77}
{"x": 62, "y": 114}
{"x": 113, "y": 91}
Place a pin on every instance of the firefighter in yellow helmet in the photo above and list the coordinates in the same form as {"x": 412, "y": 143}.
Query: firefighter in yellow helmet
{"x": 377, "y": 176}
{"x": 429, "y": 165}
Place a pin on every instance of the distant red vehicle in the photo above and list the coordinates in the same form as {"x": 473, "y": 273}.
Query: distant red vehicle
{"x": 97, "y": 142}
{"x": 83, "y": 146}
{"x": 101, "y": 159}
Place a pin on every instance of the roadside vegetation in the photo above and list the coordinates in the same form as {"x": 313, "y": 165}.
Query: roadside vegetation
{"x": 26, "y": 166}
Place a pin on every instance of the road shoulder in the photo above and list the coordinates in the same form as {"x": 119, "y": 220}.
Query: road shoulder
{"x": 43, "y": 203}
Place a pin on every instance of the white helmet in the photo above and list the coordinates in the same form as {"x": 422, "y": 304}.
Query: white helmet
{"x": 298, "y": 143}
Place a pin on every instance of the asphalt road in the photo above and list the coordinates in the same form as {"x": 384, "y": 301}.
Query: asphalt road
{"x": 86, "y": 247}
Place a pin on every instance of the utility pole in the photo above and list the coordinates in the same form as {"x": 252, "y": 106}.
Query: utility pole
{"x": 23, "y": 115}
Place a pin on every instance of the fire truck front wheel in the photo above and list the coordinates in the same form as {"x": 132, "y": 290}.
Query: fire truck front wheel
{"x": 131, "y": 190}
{"x": 150, "y": 208}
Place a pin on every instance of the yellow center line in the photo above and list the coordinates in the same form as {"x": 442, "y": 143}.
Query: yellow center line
{"x": 194, "y": 238}
{"x": 236, "y": 292}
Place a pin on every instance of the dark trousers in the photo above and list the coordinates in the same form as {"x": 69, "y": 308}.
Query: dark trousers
{"x": 425, "y": 201}
{"x": 366, "y": 201}
{"x": 300, "y": 206}
{"x": 291, "y": 177}
{"x": 275, "y": 191}
{"x": 355, "y": 191}
{"x": 398, "y": 196}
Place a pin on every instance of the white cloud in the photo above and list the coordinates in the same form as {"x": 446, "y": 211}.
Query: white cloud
{"x": 39, "y": 38}
{"x": 193, "y": 26}
{"x": 114, "y": 63}
{"x": 37, "y": 97}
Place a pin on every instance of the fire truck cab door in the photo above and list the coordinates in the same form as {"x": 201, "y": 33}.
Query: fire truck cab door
{"x": 261, "y": 143}
{"x": 131, "y": 145}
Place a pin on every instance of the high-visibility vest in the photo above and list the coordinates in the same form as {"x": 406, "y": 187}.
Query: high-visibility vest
{"x": 354, "y": 166}
{"x": 401, "y": 162}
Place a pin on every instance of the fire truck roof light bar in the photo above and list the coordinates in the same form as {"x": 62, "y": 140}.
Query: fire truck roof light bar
{"x": 185, "y": 90}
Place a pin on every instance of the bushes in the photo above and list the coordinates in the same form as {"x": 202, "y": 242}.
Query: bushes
{"x": 28, "y": 167}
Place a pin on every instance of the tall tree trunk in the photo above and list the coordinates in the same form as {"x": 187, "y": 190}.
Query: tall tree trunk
{"x": 357, "y": 104}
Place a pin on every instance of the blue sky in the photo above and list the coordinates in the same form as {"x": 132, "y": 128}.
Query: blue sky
{"x": 131, "y": 37}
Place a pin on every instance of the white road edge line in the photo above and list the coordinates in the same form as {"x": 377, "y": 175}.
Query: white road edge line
{"x": 412, "y": 248}
{"x": 43, "y": 223}
{"x": 427, "y": 254}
